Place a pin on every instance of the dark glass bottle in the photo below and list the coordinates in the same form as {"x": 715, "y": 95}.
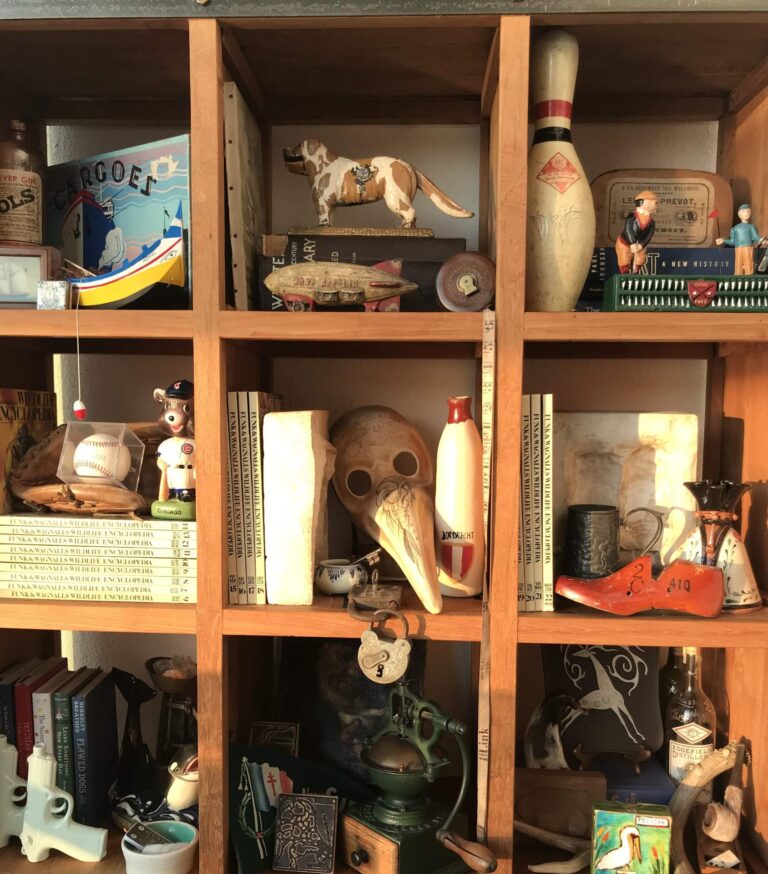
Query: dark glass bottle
{"x": 690, "y": 724}
{"x": 22, "y": 168}
{"x": 671, "y": 678}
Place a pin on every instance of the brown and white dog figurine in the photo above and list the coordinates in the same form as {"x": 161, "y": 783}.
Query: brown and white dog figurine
{"x": 338, "y": 181}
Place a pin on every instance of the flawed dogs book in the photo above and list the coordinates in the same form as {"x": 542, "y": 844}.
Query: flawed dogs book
{"x": 106, "y": 210}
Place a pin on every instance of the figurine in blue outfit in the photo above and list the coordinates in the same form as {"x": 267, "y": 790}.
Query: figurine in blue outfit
{"x": 743, "y": 237}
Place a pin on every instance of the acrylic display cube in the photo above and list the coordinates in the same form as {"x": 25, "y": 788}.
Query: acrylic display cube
{"x": 104, "y": 453}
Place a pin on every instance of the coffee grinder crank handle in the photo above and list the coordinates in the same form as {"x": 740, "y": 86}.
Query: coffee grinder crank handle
{"x": 475, "y": 856}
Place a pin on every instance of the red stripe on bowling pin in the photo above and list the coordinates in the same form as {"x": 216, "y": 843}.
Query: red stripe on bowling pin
{"x": 553, "y": 108}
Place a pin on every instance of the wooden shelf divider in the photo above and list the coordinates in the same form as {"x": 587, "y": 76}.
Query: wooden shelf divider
{"x": 646, "y": 327}
{"x": 345, "y": 327}
{"x": 459, "y": 621}
{"x": 98, "y": 323}
{"x": 98, "y": 616}
{"x": 727, "y": 630}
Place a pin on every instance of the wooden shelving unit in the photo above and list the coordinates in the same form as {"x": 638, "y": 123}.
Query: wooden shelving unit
{"x": 441, "y": 69}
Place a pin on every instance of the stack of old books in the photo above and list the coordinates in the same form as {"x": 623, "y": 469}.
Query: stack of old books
{"x": 81, "y": 558}
{"x": 246, "y": 557}
{"x": 72, "y": 714}
{"x": 535, "y": 588}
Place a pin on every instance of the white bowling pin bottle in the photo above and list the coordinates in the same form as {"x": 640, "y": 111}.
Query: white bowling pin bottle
{"x": 460, "y": 541}
{"x": 561, "y": 212}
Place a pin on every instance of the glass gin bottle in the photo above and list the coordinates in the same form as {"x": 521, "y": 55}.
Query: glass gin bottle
{"x": 21, "y": 186}
{"x": 690, "y": 723}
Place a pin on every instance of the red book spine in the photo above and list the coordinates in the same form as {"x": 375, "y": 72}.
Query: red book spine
{"x": 25, "y": 726}
{"x": 25, "y": 731}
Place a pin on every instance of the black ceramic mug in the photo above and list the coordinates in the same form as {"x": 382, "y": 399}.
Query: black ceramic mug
{"x": 592, "y": 539}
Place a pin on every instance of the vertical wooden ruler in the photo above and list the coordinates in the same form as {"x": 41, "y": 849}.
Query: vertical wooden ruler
{"x": 488, "y": 384}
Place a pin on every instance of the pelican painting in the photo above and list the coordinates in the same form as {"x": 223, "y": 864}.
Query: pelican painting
{"x": 620, "y": 858}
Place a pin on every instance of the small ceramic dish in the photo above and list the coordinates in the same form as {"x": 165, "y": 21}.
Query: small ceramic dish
{"x": 336, "y": 576}
{"x": 178, "y": 860}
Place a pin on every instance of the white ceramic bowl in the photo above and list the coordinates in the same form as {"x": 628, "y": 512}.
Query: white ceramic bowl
{"x": 176, "y": 861}
{"x": 336, "y": 576}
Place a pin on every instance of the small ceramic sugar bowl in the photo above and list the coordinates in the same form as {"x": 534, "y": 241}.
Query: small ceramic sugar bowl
{"x": 336, "y": 576}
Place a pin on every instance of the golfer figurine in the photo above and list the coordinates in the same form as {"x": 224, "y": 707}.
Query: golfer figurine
{"x": 743, "y": 237}
{"x": 637, "y": 233}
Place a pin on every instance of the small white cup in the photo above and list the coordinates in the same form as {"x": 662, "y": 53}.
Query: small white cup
{"x": 183, "y": 791}
{"x": 179, "y": 860}
{"x": 337, "y": 576}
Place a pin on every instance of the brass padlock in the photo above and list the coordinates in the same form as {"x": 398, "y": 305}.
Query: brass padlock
{"x": 382, "y": 659}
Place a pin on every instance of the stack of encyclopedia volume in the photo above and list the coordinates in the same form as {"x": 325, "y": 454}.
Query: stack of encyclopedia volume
{"x": 535, "y": 574}
{"x": 246, "y": 557}
{"x": 57, "y": 556}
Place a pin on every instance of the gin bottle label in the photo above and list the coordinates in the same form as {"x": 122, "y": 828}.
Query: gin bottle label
{"x": 21, "y": 214}
{"x": 692, "y": 745}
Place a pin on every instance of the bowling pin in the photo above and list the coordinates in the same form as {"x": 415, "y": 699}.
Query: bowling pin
{"x": 460, "y": 540}
{"x": 561, "y": 213}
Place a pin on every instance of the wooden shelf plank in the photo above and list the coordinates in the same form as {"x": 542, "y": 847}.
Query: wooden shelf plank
{"x": 98, "y": 616}
{"x": 327, "y": 617}
{"x": 745, "y": 630}
{"x": 646, "y": 327}
{"x": 353, "y": 327}
{"x": 131, "y": 324}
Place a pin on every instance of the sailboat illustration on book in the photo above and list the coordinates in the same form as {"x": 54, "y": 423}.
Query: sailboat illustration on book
{"x": 163, "y": 261}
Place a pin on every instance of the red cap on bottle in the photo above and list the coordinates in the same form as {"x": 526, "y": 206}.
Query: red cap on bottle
{"x": 459, "y": 409}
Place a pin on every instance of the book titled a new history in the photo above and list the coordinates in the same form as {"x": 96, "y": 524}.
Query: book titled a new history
{"x": 246, "y": 567}
{"x": 535, "y": 583}
{"x": 52, "y": 556}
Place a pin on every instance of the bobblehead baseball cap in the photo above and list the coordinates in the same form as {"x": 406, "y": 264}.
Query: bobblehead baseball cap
{"x": 183, "y": 390}
{"x": 743, "y": 206}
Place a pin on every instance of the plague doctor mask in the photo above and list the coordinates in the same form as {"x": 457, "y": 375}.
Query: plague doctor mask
{"x": 383, "y": 476}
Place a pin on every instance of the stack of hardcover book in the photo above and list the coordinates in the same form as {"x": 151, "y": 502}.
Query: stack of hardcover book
{"x": 72, "y": 714}
{"x": 246, "y": 568}
{"x": 52, "y": 556}
{"x": 535, "y": 576}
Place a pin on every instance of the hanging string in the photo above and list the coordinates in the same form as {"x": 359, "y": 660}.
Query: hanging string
{"x": 78, "y": 407}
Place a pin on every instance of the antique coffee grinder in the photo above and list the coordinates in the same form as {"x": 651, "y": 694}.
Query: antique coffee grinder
{"x": 403, "y": 832}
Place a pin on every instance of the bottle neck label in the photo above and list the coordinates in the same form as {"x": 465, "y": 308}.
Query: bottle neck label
{"x": 692, "y": 733}
{"x": 21, "y": 206}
